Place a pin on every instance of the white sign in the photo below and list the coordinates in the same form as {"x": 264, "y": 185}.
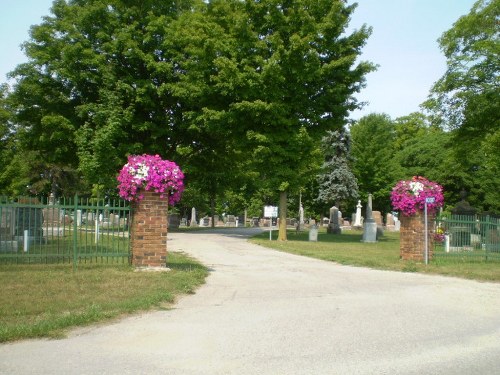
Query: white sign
{"x": 430, "y": 200}
{"x": 270, "y": 211}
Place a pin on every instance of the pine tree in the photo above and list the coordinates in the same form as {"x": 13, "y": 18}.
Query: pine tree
{"x": 337, "y": 183}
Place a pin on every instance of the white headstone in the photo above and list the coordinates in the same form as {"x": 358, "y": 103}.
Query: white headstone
{"x": 193, "y": 218}
{"x": 357, "y": 221}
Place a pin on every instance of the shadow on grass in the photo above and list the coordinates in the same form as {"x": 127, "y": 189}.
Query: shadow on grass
{"x": 345, "y": 237}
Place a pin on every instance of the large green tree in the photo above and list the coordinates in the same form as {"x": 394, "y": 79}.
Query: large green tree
{"x": 93, "y": 89}
{"x": 224, "y": 85}
{"x": 466, "y": 100}
{"x": 375, "y": 167}
{"x": 302, "y": 71}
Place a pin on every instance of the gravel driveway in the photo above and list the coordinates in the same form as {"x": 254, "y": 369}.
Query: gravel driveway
{"x": 266, "y": 312}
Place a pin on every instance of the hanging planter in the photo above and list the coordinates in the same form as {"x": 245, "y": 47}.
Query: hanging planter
{"x": 409, "y": 198}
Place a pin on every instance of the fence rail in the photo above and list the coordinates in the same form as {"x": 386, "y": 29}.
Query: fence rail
{"x": 68, "y": 231}
{"x": 467, "y": 237}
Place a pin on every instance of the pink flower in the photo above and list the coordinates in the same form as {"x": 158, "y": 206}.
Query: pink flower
{"x": 410, "y": 196}
{"x": 151, "y": 173}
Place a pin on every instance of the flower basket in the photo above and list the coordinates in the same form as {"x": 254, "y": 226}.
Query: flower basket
{"x": 409, "y": 197}
{"x": 150, "y": 173}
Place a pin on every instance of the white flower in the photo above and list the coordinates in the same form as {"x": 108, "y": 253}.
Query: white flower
{"x": 416, "y": 187}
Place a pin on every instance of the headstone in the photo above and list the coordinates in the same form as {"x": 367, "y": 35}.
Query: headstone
{"x": 301, "y": 215}
{"x": 313, "y": 233}
{"x": 230, "y": 221}
{"x": 255, "y": 221}
{"x": 30, "y": 219}
{"x": 52, "y": 216}
{"x": 461, "y": 233}
{"x": 334, "y": 227}
{"x": 377, "y": 216}
{"x": 370, "y": 226}
{"x": 390, "y": 224}
{"x": 6, "y": 222}
{"x": 357, "y": 220}
{"x": 397, "y": 224}
{"x": 193, "y": 222}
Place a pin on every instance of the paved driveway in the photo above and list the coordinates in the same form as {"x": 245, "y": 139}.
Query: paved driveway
{"x": 266, "y": 312}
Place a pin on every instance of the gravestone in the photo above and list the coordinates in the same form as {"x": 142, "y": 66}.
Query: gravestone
{"x": 174, "y": 221}
{"x": 6, "y": 222}
{"x": 357, "y": 220}
{"x": 193, "y": 222}
{"x": 230, "y": 221}
{"x": 334, "y": 227}
{"x": 390, "y": 224}
{"x": 29, "y": 219}
{"x": 313, "y": 233}
{"x": 377, "y": 216}
{"x": 369, "y": 226}
{"x": 461, "y": 233}
{"x": 52, "y": 216}
{"x": 397, "y": 224}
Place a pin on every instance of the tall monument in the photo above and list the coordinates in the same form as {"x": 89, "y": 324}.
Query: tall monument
{"x": 369, "y": 224}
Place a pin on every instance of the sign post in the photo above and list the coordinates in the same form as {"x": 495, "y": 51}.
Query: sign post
{"x": 270, "y": 212}
{"x": 427, "y": 200}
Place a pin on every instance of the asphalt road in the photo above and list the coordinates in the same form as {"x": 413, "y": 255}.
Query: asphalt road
{"x": 266, "y": 312}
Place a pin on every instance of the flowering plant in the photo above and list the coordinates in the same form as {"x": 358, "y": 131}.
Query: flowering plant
{"x": 439, "y": 235}
{"x": 410, "y": 196}
{"x": 151, "y": 173}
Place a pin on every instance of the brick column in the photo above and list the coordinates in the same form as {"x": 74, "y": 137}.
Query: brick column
{"x": 149, "y": 231}
{"x": 412, "y": 237}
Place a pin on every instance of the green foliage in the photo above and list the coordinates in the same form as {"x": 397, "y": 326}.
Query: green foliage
{"x": 337, "y": 183}
{"x": 466, "y": 100}
{"x": 373, "y": 147}
{"x": 239, "y": 93}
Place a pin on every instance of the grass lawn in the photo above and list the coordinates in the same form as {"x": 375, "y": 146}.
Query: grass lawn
{"x": 44, "y": 300}
{"x": 348, "y": 249}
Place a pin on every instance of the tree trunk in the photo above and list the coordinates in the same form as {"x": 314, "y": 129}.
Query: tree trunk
{"x": 212, "y": 210}
{"x": 282, "y": 215}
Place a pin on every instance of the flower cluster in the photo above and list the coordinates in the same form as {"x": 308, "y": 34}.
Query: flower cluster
{"x": 410, "y": 196}
{"x": 439, "y": 235}
{"x": 151, "y": 173}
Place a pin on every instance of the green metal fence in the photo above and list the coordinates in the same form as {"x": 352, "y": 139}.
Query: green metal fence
{"x": 67, "y": 231}
{"x": 467, "y": 237}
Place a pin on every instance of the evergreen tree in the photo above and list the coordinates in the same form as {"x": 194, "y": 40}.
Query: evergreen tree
{"x": 337, "y": 183}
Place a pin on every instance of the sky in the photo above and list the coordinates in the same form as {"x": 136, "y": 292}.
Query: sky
{"x": 403, "y": 44}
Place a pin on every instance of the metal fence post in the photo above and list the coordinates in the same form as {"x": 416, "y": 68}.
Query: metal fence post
{"x": 75, "y": 238}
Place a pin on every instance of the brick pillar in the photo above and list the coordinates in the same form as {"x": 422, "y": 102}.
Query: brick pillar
{"x": 149, "y": 231}
{"x": 412, "y": 237}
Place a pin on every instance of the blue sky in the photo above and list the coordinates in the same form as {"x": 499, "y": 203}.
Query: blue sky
{"x": 403, "y": 43}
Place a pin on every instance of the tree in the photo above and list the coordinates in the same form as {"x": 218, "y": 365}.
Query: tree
{"x": 466, "y": 99}
{"x": 302, "y": 70}
{"x": 93, "y": 89}
{"x": 225, "y": 85}
{"x": 373, "y": 148}
{"x": 337, "y": 183}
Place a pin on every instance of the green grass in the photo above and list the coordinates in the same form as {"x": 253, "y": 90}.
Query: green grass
{"x": 46, "y": 300}
{"x": 348, "y": 249}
